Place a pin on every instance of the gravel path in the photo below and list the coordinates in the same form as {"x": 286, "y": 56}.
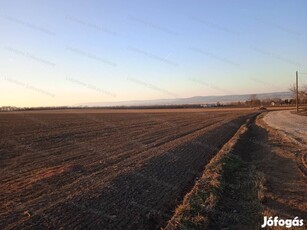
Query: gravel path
{"x": 294, "y": 126}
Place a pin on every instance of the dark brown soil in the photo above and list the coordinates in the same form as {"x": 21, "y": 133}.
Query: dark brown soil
{"x": 258, "y": 173}
{"x": 104, "y": 171}
{"x": 270, "y": 160}
{"x": 285, "y": 176}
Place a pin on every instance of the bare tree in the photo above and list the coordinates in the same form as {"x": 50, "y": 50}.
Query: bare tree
{"x": 253, "y": 97}
{"x": 253, "y": 100}
{"x": 302, "y": 93}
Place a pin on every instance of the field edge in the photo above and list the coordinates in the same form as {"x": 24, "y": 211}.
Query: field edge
{"x": 201, "y": 205}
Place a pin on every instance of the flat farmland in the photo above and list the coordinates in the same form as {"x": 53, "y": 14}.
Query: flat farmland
{"x": 103, "y": 170}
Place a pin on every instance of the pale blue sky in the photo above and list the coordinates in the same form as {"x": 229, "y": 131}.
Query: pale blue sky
{"x": 69, "y": 52}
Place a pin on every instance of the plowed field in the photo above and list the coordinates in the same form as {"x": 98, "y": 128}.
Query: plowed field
{"x": 104, "y": 170}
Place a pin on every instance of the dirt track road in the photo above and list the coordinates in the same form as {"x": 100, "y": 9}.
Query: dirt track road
{"x": 292, "y": 125}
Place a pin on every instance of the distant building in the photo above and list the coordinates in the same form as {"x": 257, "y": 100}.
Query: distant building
{"x": 7, "y": 108}
{"x": 208, "y": 105}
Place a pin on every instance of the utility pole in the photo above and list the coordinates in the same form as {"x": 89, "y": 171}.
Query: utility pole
{"x": 296, "y": 91}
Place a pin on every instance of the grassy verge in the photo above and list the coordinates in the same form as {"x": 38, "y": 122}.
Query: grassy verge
{"x": 227, "y": 196}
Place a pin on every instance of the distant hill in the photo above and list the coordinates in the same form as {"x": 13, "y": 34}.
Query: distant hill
{"x": 191, "y": 100}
